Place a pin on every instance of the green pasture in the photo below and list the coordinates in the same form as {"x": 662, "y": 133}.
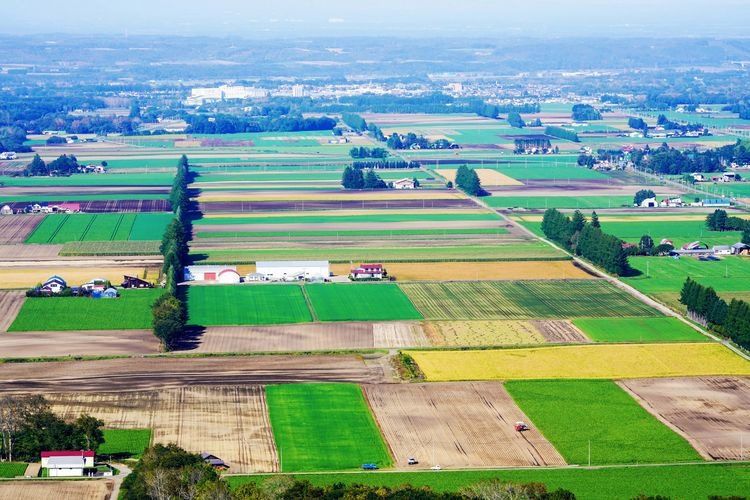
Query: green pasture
{"x": 658, "y": 329}
{"x": 110, "y": 179}
{"x": 131, "y": 311}
{"x": 125, "y": 443}
{"x": 665, "y": 274}
{"x": 360, "y": 302}
{"x": 333, "y": 218}
{"x": 353, "y": 234}
{"x": 497, "y": 200}
{"x": 150, "y": 226}
{"x": 71, "y": 196}
{"x": 522, "y": 300}
{"x": 324, "y": 427}
{"x": 63, "y": 228}
{"x": 11, "y": 469}
{"x": 214, "y": 305}
{"x": 581, "y": 415}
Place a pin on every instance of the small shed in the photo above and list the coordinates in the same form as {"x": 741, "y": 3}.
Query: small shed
{"x": 134, "y": 282}
{"x": 256, "y": 277}
{"x": 6, "y": 210}
{"x": 649, "y": 203}
{"x": 109, "y": 293}
{"x": 740, "y": 249}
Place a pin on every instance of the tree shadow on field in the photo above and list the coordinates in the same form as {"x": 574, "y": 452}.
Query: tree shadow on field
{"x": 191, "y": 338}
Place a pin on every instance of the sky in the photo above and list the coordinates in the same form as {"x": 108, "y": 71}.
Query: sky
{"x": 422, "y": 18}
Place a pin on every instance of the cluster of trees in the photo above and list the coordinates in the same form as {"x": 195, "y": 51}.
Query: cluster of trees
{"x": 646, "y": 246}
{"x": 468, "y": 181}
{"x": 720, "y": 221}
{"x": 389, "y": 163}
{"x": 397, "y": 141}
{"x": 64, "y": 165}
{"x": 642, "y": 194}
{"x": 637, "y": 124}
{"x": 493, "y": 111}
{"x": 587, "y": 240}
{"x": 12, "y": 139}
{"x": 705, "y": 306}
{"x": 515, "y": 120}
{"x": 585, "y": 112}
{"x": 562, "y": 133}
{"x": 169, "y": 310}
{"x": 359, "y": 124}
{"x": 230, "y": 124}
{"x": 533, "y": 143}
{"x": 365, "y": 152}
{"x": 28, "y": 426}
{"x": 668, "y": 124}
{"x": 354, "y": 178}
{"x": 743, "y": 109}
{"x": 667, "y": 160}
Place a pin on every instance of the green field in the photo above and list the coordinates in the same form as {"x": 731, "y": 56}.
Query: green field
{"x": 59, "y": 228}
{"x": 360, "y": 302}
{"x": 335, "y": 219}
{"x": 125, "y": 443}
{"x": 664, "y": 274}
{"x": 246, "y": 305}
{"x": 72, "y": 196}
{"x": 112, "y": 248}
{"x": 154, "y": 179}
{"x": 11, "y": 469}
{"x": 523, "y": 300}
{"x": 355, "y": 234}
{"x": 670, "y": 481}
{"x": 577, "y": 414}
{"x": 324, "y": 427}
{"x": 661, "y": 329}
{"x": 131, "y": 311}
{"x": 544, "y": 202}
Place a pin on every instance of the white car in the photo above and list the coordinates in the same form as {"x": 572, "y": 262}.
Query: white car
{"x": 436, "y": 467}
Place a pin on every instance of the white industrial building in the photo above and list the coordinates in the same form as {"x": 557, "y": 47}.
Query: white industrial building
{"x": 222, "y": 274}
{"x": 202, "y": 95}
{"x": 294, "y": 270}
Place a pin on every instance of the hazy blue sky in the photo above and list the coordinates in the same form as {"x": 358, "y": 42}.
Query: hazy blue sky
{"x": 301, "y": 18}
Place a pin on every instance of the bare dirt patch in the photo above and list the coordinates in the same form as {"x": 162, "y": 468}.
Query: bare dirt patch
{"x": 84, "y": 343}
{"x": 229, "y": 422}
{"x": 16, "y": 228}
{"x": 10, "y": 253}
{"x": 712, "y": 413}
{"x": 465, "y": 424}
{"x": 398, "y": 334}
{"x": 482, "y": 333}
{"x": 133, "y": 374}
{"x": 560, "y": 331}
{"x": 10, "y": 303}
{"x": 487, "y": 177}
{"x": 59, "y": 490}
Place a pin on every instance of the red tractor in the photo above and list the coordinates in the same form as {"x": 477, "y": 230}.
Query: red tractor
{"x": 521, "y": 426}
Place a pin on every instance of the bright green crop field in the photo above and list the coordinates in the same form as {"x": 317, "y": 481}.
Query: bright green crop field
{"x": 334, "y": 219}
{"x": 522, "y": 300}
{"x": 155, "y": 179}
{"x": 59, "y": 228}
{"x": 360, "y": 302}
{"x": 380, "y": 233}
{"x": 131, "y": 311}
{"x": 11, "y": 469}
{"x": 665, "y": 274}
{"x": 576, "y": 414}
{"x": 246, "y": 305}
{"x": 125, "y": 443}
{"x": 660, "y": 329}
{"x": 324, "y": 427}
{"x": 582, "y": 202}
{"x": 150, "y": 226}
{"x": 671, "y": 481}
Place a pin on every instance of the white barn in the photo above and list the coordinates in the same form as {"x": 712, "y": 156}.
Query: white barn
{"x": 294, "y": 270}
{"x": 67, "y": 463}
{"x": 222, "y": 274}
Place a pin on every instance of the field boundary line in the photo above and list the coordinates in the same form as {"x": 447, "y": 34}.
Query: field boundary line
{"x": 313, "y": 313}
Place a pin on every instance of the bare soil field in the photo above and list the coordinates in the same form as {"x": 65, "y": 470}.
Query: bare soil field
{"x": 560, "y": 331}
{"x": 49, "y": 193}
{"x": 464, "y": 424}
{"x": 147, "y": 373}
{"x": 59, "y": 490}
{"x": 476, "y": 271}
{"x": 335, "y": 195}
{"x": 348, "y": 226}
{"x": 10, "y": 303}
{"x": 28, "y": 252}
{"x": 27, "y": 277}
{"x": 230, "y": 422}
{"x": 712, "y": 413}
{"x": 16, "y": 228}
{"x": 398, "y": 334}
{"x": 482, "y": 333}
{"x": 72, "y": 343}
{"x": 263, "y": 206}
{"x": 487, "y": 177}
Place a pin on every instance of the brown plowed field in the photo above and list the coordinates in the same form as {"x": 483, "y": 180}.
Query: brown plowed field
{"x": 28, "y": 252}
{"x": 15, "y": 228}
{"x": 475, "y": 271}
{"x": 59, "y": 490}
{"x": 712, "y": 413}
{"x": 482, "y": 333}
{"x": 230, "y": 422}
{"x": 10, "y": 303}
{"x": 84, "y": 343}
{"x": 560, "y": 331}
{"x": 346, "y": 226}
{"x": 464, "y": 424}
{"x": 133, "y": 374}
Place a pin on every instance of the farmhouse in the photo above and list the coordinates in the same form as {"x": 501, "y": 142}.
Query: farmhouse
{"x": 55, "y": 284}
{"x": 671, "y": 202}
{"x": 368, "y": 271}
{"x": 214, "y": 461}
{"x": 96, "y": 284}
{"x": 740, "y": 249}
{"x": 67, "y": 463}
{"x": 405, "y": 183}
{"x": 294, "y": 270}
{"x": 67, "y": 208}
{"x": 222, "y": 274}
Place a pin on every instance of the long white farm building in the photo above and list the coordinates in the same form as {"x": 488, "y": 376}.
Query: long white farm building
{"x": 293, "y": 270}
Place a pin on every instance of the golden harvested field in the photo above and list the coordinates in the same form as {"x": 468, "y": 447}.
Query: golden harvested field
{"x": 587, "y": 361}
{"x": 230, "y": 422}
{"x": 27, "y": 277}
{"x": 487, "y": 176}
{"x": 465, "y": 424}
{"x": 59, "y": 490}
{"x": 416, "y": 194}
{"x": 477, "y": 271}
{"x": 482, "y": 333}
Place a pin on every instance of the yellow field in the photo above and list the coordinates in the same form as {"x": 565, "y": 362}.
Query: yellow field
{"x": 461, "y": 271}
{"x": 482, "y": 333}
{"x": 341, "y": 213}
{"x": 587, "y": 361}
{"x": 487, "y": 176}
{"x": 27, "y": 277}
{"x": 406, "y": 194}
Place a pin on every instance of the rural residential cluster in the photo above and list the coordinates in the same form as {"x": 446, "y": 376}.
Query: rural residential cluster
{"x": 455, "y": 268}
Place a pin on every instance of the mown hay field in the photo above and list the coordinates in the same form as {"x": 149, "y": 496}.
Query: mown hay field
{"x": 246, "y": 305}
{"x": 522, "y": 300}
{"x": 659, "y": 274}
{"x": 482, "y": 333}
{"x": 131, "y": 311}
{"x": 324, "y": 427}
{"x": 487, "y": 177}
{"x": 661, "y": 329}
{"x": 574, "y": 413}
{"x": 503, "y": 270}
{"x": 594, "y": 361}
{"x": 360, "y": 302}
{"x": 28, "y": 277}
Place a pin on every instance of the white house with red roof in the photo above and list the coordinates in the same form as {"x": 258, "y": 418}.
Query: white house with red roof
{"x": 368, "y": 271}
{"x": 67, "y": 463}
